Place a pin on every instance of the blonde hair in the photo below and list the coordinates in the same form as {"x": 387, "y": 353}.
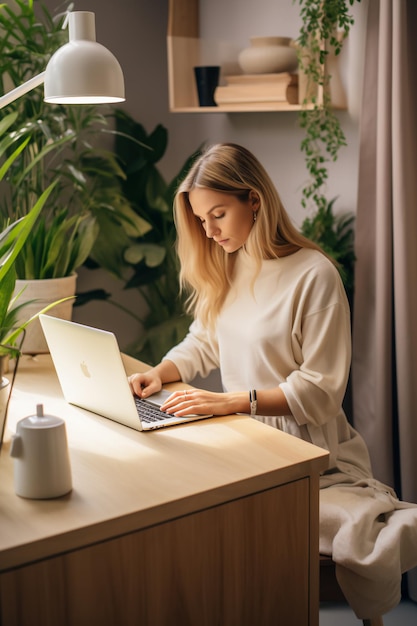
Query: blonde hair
{"x": 206, "y": 270}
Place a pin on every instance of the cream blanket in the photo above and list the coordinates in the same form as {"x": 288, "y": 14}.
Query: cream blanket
{"x": 370, "y": 534}
{"x": 372, "y": 537}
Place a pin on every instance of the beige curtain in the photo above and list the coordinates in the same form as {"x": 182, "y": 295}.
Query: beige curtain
{"x": 384, "y": 368}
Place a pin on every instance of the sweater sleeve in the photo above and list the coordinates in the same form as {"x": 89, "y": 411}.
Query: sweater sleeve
{"x": 197, "y": 354}
{"x": 315, "y": 390}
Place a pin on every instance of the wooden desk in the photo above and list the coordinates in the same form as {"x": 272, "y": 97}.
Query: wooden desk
{"x": 210, "y": 523}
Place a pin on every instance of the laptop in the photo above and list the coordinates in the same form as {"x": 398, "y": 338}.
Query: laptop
{"x": 92, "y": 376}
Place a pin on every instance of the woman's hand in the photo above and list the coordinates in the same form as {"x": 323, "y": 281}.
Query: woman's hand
{"x": 199, "y": 402}
{"x": 144, "y": 385}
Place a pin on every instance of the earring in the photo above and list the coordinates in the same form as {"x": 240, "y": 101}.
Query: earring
{"x": 255, "y": 215}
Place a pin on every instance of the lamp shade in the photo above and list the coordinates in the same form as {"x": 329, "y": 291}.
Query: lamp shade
{"x": 83, "y": 71}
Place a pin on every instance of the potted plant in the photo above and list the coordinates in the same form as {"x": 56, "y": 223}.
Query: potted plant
{"x": 86, "y": 201}
{"x": 149, "y": 262}
{"x": 12, "y": 239}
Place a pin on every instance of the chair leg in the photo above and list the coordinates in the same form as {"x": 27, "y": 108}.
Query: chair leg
{"x": 376, "y": 621}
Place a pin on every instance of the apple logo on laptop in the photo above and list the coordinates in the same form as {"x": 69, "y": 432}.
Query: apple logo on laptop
{"x": 84, "y": 369}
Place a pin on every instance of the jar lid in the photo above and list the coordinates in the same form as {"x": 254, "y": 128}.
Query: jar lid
{"x": 40, "y": 420}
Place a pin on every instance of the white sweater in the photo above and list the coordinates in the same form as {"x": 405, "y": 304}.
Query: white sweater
{"x": 291, "y": 328}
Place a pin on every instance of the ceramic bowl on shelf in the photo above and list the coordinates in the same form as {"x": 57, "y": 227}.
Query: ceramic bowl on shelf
{"x": 267, "y": 55}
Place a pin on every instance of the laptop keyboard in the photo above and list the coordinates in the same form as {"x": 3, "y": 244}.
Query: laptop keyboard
{"x": 149, "y": 412}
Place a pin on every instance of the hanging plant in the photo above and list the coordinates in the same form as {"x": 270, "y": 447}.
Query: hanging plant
{"x": 325, "y": 26}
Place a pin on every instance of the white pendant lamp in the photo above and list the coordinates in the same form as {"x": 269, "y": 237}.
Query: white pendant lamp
{"x": 80, "y": 72}
{"x": 83, "y": 71}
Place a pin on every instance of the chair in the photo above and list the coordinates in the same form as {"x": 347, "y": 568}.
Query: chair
{"x": 330, "y": 590}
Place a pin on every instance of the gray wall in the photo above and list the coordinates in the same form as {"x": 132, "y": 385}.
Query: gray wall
{"x": 135, "y": 31}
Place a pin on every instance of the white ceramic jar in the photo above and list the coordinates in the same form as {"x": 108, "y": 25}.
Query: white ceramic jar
{"x": 41, "y": 458}
{"x": 267, "y": 55}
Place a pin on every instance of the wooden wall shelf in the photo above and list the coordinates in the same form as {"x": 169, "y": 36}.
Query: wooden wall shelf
{"x": 184, "y": 52}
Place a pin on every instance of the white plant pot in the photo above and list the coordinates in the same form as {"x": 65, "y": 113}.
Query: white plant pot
{"x": 43, "y": 292}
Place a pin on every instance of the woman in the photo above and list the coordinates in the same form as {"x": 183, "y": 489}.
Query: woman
{"x": 270, "y": 311}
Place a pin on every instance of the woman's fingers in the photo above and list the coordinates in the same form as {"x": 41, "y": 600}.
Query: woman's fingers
{"x": 194, "y": 401}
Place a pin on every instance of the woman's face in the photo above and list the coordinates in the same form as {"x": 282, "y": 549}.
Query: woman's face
{"x": 225, "y": 218}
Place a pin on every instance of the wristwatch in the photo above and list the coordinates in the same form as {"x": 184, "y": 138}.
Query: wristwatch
{"x": 253, "y": 402}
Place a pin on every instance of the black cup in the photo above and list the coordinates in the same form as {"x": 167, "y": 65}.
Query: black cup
{"x": 207, "y": 79}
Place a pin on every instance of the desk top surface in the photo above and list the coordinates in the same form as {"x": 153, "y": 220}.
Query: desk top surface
{"x": 125, "y": 480}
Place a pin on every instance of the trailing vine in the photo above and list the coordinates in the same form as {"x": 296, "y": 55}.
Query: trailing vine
{"x": 325, "y": 26}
